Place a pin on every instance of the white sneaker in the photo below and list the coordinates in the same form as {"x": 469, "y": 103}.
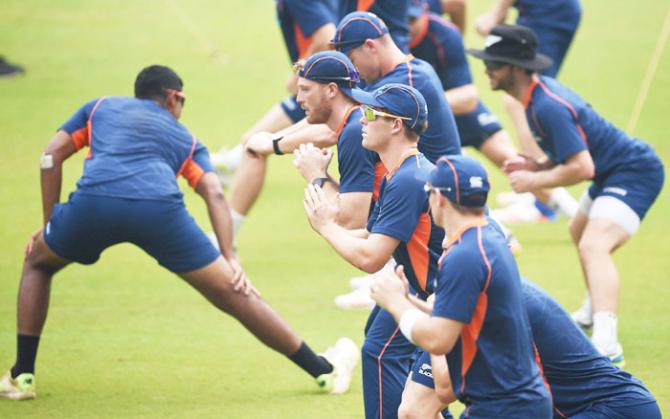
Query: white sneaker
{"x": 519, "y": 213}
{"x": 509, "y": 198}
{"x": 19, "y": 388}
{"x": 343, "y": 357}
{"x": 356, "y": 299}
{"x": 614, "y": 352}
{"x": 226, "y": 161}
{"x": 362, "y": 281}
{"x": 583, "y": 316}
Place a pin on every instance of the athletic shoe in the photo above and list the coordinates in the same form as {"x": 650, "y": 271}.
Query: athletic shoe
{"x": 614, "y": 353}
{"x": 10, "y": 70}
{"x": 356, "y": 299}
{"x": 343, "y": 357}
{"x": 506, "y": 199}
{"x": 365, "y": 281}
{"x": 583, "y": 316}
{"x": 19, "y": 388}
{"x": 519, "y": 213}
{"x": 225, "y": 162}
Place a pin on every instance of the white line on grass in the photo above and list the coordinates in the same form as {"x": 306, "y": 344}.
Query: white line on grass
{"x": 214, "y": 53}
{"x": 649, "y": 76}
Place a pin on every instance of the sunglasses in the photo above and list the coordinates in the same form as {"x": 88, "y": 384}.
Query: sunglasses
{"x": 180, "y": 95}
{"x": 494, "y": 65}
{"x": 372, "y": 114}
{"x": 430, "y": 189}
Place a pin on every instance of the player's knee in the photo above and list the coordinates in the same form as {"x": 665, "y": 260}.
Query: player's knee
{"x": 589, "y": 247}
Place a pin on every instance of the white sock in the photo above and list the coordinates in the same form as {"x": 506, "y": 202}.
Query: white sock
{"x": 561, "y": 199}
{"x": 238, "y": 219}
{"x": 604, "y": 330}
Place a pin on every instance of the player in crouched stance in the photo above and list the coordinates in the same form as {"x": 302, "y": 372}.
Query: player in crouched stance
{"x": 478, "y": 319}
{"x": 129, "y": 193}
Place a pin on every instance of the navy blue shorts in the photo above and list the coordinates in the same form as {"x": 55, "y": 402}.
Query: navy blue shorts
{"x": 553, "y": 42}
{"x": 80, "y": 229}
{"x": 422, "y": 370}
{"x": 292, "y": 109}
{"x": 630, "y": 410}
{"x": 477, "y": 126}
{"x": 637, "y": 186}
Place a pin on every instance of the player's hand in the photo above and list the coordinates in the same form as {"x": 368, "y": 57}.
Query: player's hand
{"x": 523, "y": 181}
{"x": 312, "y": 162}
{"x": 259, "y": 144}
{"x": 320, "y": 210}
{"x": 31, "y": 243}
{"x": 240, "y": 281}
{"x": 520, "y": 162}
{"x": 485, "y": 22}
{"x": 389, "y": 287}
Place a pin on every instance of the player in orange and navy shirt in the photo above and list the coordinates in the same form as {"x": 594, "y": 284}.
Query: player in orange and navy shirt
{"x": 128, "y": 193}
{"x": 400, "y": 226}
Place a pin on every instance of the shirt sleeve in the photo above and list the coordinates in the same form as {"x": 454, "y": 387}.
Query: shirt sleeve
{"x": 356, "y": 166}
{"x": 562, "y": 137}
{"x": 310, "y": 15}
{"x": 197, "y": 166}
{"x": 403, "y": 203}
{"x": 455, "y": 70}
{"x": 77, "y": 127}
{"x": 458, "y": 286}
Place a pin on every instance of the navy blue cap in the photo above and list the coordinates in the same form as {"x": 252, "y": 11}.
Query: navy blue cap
{"x": 416, "y": 8}
{"x": 355, "y": 28}
{"x": 331, "y": 67}
{"x": 461, "y": 179}
{"x": 397, "y": 99}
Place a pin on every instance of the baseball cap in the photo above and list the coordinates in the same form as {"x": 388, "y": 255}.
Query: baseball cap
{"x": 397, "y": 99}
{"x": 513, "y": 44}
{"x": 416, "y": 8}
{"x": 355, "y": 28}
{"x": 461, "y": 179}
{"x": 331, "y": 67}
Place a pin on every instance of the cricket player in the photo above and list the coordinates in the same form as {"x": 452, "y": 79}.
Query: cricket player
{"x": 128, "y": 193}
{"x": 580, "y": 145}
{"x": 392, "y": 12}
{"x": 478, "y": 319}
{"x": 400, "y": 226}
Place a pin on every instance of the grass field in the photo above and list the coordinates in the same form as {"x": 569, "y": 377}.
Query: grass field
{"x": 127, "y": 339}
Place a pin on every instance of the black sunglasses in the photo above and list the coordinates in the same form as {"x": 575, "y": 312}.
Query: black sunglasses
{"x": 494, "y": 65}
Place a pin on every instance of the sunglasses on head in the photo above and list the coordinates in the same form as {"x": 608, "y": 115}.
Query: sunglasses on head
{"x": 428, "y": 188}
{"x": 372, "y": 114}
{"x": 494, "y": 65}
{"x": 178, "y": 94}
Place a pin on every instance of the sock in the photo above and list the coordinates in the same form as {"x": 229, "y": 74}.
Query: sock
{"x": 238, "y": 219}
{"x": 26, "y": 351}
{"x": 604, "y": 330}
{"x": 545, "y": 210}
{"x": 312, "y": 363}
{"x": 561, "y": 199}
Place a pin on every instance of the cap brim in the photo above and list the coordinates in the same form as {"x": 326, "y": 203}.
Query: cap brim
{"x": 539, "y": 63}
{"x": 364, "y": 98}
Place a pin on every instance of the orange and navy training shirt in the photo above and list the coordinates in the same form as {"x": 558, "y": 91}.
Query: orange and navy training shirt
{"x": 137, "y": 149}
{"x": 402, "y": 212}
{"x": 299, "y": 19}
{"x": 493, "y": 367}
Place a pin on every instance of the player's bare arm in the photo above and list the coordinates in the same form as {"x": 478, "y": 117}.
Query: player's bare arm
{"x": 577, "y": 168}
{"x": 443, "y": 388}
{"x": 261, "y": 143}
{"x": 209, "y": 189}
{"x": 462, "y": 99}
{"x": 495, "y": 15}
{"x": 368, "y": 254}
{"x": 59, "y": 149}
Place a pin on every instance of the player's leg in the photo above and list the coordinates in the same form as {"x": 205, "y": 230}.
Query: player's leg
{"x": 386, "y": 361}
{"x": 419, "y": 401}
{"x": 250, "y": 175}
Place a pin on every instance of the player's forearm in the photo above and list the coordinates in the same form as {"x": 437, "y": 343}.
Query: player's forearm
{"x": 442, "y": 380}
{"x": 420, "y": 304}
{"x": 219, "y": 213}
{"x": 51, "y": 181}
{"x": 462, "y": 99}
{"x": 319, "y": 135}
{"x": 576, "y": 169}
{"x": 360, "y": 252}
{"x": 500, "y": 9}
{"x": 456, "y": 10}
{"x": 320, "y": 39}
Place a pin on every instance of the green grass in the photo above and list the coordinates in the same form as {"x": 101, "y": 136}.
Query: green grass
{"x": 127, "y": 339}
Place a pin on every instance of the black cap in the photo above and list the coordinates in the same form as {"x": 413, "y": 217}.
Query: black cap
{"x": 513, "y": 44}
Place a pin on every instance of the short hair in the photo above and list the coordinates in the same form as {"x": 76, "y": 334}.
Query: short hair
{"x": 415, "y": 133}
{"x": 152, "y": 81}
{"x": 298, "y": 66}
{"x": 478, "y": 197}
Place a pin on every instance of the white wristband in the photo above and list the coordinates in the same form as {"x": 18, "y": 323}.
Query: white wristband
{"x": 407, "y": 321}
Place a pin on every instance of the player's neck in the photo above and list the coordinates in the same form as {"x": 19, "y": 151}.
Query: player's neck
{"x": 396, "y": 152}
{"x": 392, "y": 58}
{"x": 340, "y": 111}
{"x": 455, "y": 222}
{"x": 520, "y": 87}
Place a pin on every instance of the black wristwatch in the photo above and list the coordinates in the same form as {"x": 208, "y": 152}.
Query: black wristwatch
{"x": 319, "y": 181}
{"x": 275, "y": 145}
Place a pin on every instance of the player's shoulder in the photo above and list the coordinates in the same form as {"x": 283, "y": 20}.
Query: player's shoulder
{"x": 441, "y": 26}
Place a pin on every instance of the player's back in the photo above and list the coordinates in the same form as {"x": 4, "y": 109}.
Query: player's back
{"x": 137, "y": 148}
{"x": 441, "y": 138}
{"x": 577, "y": 374}
{"x": 609, "y": 146}
{"x": 549, "y": 13}
{"x": 392, "y": 12}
